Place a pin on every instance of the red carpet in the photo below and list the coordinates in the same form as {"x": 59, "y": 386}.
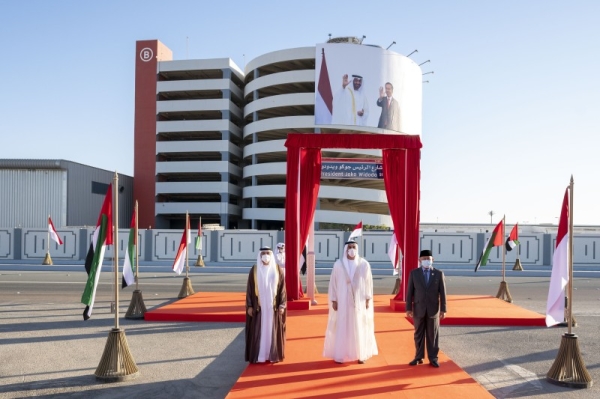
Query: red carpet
{"x": 306, "y": 374}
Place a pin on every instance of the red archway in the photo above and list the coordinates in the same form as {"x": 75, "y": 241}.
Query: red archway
{"x": 401, "y": 174}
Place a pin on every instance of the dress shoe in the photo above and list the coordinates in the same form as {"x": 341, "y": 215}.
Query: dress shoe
{"x": 361, "y": 362}
{"x": 415, "y": 362}
{"x": 434, "y": 363}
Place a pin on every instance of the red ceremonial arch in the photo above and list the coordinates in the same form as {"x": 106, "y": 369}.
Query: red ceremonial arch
{"x": 401, "y": 175}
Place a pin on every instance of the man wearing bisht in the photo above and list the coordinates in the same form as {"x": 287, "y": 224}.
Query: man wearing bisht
{"x": 265, "y": 310}
{"x": 350, "y": 334}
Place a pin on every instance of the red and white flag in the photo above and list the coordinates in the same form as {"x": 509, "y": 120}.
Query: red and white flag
{"x": 357, "y": 232}
{"x": 179, "y": 263}
{"x": 555, "y": 307}
{"x": 53, "y": 233}
{"x": 324, "y": 95}
{"x": 395, "y": 255}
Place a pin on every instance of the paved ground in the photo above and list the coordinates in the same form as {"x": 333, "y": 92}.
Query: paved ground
{"x": 46, "y": 350}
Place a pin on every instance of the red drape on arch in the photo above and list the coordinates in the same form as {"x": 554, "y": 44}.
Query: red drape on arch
{"x": 401, "y": 175}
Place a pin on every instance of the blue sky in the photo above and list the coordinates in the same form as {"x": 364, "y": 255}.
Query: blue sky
{"x": 510, "y": 112}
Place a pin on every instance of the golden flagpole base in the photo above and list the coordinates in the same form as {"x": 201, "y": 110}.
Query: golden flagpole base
{"x": 396, "y": 289}
{"x": 504, "y": 293}
{"x": 47, "y": 259}
{"x": 116, "y": 364}
{"x": 569, "y": 369}
{"x": 199, "y": 261}
{"x": 137, "y": 308}
{"x": 518, "y": 265}
{"x": 186, "y": 288}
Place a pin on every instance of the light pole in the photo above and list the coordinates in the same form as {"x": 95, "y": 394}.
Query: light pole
{"x": 491, "y": 213}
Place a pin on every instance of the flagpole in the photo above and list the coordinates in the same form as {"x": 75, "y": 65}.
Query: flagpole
{"x": 48, "y": 259}
{"x": 116, "y": 245}
{"x": 187, "y": 244}
{"x": 503, "y": 248}
{"x": 503, "y": 291}
{"x": 48, "y": 246}
{"x": 569, "y": 368}
{"x": 570, "y": 258}
{"x": 137, "y": 262}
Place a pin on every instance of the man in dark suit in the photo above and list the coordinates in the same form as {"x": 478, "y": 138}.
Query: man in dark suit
{"x": 426, "y": 304}
{"x": 390, "y": 110}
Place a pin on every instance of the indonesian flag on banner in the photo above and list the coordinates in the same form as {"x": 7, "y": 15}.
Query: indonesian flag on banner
{"x": 395, "y": 254}
{"x": 179, "y": 263}
{"x": 513, "y": 238}
{"x": 199, "y": 236}
{"x": 129, "y": 265}
{"x": 495, "y": 240}
{"x": 102, "y": 237}
{"x": 555, "y": 307}
{"x": 324, "y": 96}
{"x": 53, "y": 233}
{"x": 357, "y": 232}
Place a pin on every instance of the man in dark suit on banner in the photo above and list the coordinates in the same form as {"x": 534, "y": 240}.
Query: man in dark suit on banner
{"x": 390, "y": 109}
{"x": 426, "y": 304}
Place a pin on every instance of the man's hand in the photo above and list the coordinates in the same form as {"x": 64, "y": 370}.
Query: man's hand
{"x": 250, "y": 312}
{"x": 361, "y": 112}
{"x": 381, "y": 92}
{"x": 345, "y": 81}
{"x": 368, "y": 303}
{"x": 281, "y": 310}
{"x": 409, "y": 314}
{"x": 334, "y": 305}
{"x": 442, "y": 315}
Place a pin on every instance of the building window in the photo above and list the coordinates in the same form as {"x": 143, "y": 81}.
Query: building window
{"x": 99, "y": 188}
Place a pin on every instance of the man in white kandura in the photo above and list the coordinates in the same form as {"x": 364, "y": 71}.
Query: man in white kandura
{"x": 280, "y": 257}
{"x": 350, "y": 105}
{"x": 350, "y": 331}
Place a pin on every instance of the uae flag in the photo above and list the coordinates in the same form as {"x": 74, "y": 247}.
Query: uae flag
{"x": 324, "y": 96}
{"x": 395, "y": 254}
{"x": 130, "y": 265}
{"x": 53, "y": 233}
{"x": 179, "y": 263}
{"x": 555, "y": 307}
{"x": 495, "y": 240}
{"x": 199, "y": 236}
{"x": 357, "y": 232}
{"x": 93, "y": 262}
{"x": 513, "y": 238}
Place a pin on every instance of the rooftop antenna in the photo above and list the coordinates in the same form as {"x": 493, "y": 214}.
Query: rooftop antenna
{"x": 187, "y": 47}
{"x": 363, "y": 38}
{"x": 426, "y": 73}
{"x": 416, "y": 51}
{"x": 424, "y": 62}
{"x": 388, "y": 47}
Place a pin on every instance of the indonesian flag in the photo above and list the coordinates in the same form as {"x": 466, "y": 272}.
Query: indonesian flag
{"x": 513, "y": 238}
{"x": 495, "y": 240}
{"x": 555, "y": 307}
{"x": 324, "y": 96}
{"x": 53, "y": 233}
{"x": 395, "y": 254}
{"x": 102, "y": 237}
{"x": 357, "y": 232}
{"x": 182, "y": 250}
{"x": 199, "y": 236}
{"x": 130, "y": 265}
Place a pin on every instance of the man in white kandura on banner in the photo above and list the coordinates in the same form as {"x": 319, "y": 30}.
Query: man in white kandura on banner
{"x": 350, "y": 105}
{"x": 350, "y": 334}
